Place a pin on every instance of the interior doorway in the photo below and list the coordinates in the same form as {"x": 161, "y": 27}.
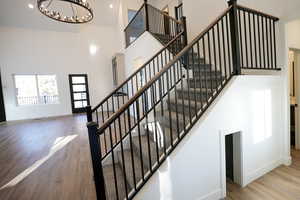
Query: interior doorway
{"x": 294, "y": 56}
{"x": 231, "y": 160}
{"x": 229, "y": 157}
{"x": 79, "y": 89}
{"x": 2, "y": 108}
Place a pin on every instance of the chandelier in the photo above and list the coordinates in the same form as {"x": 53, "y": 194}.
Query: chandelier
{"x": 68, "y": 11}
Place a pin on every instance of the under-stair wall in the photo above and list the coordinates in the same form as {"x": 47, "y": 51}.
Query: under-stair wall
{"x": 251, "y": 105}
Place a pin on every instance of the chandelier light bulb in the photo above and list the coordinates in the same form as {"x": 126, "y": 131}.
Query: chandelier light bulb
{"x": 46, "y": 8}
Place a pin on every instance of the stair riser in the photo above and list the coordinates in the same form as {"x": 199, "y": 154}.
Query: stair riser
{"x": 204, "y": 84}
{"x": 198, "y": 96}
{"x": 184, "y": 109}
{"x": 206, "y": 73}
{"x": 166, "y": 123}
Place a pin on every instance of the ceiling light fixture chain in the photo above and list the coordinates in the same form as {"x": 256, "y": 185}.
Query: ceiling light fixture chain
{"x": 85, "y": 15}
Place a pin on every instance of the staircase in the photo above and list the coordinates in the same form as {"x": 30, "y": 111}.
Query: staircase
{"x": 130, "y": 144}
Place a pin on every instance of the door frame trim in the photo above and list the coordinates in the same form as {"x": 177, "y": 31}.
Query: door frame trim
{"x": 2, "y": 97}
{"x": 239, "y": 175}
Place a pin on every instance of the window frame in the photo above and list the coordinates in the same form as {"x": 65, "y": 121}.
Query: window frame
{"x": 37, "y": 90}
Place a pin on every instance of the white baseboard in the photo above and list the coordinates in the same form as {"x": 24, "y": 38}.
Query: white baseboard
{"x": 261, "y": 171}
{"x": 287, "y": 160}
{"x": 215, "y": 195}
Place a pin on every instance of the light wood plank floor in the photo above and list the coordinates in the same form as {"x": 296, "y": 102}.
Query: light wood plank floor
{"x": 67, "y": 174}
{"x": 283, "y": 183}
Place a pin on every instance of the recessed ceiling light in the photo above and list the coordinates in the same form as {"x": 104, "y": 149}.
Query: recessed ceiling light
{"x": 31, "y": 6}
{"x": 111, "y": 6}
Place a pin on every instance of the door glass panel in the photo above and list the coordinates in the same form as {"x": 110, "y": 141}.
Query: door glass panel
{"x": 79, "y": 96}
{"x": 79, "y": 88}
{"x": 78, "y": 80}
{"x": 84, "y": 103}
{"x": 78, "y": 104}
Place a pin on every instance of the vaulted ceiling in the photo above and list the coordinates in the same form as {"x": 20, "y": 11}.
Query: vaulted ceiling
{"x": 17, "y": 13}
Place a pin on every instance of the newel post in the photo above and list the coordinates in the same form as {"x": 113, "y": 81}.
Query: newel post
{"x": 234, "y": 31}
{"x": 146, "y": 15}
{"x": 89, "y": 114}
{"x": 95, "y": 149}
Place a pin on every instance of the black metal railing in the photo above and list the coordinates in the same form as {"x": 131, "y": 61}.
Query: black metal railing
{"x": 137, "y": 26}
{"x": 132, "y": 143}
{"x": 179, "y": 11}
{"x": 163, "y": 26}
{"x": 155, "y": 21}
{"x": 114, "y": 101}
{"x": 257, "y": 36}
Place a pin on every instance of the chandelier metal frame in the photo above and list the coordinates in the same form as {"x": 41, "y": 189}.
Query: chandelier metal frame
{"x": 75, "y": 19}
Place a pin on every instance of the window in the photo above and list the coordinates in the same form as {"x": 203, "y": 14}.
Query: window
{"x": 36, "y": 89}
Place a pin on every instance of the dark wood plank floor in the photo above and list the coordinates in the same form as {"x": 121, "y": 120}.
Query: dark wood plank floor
{"x": 65, "y": 175}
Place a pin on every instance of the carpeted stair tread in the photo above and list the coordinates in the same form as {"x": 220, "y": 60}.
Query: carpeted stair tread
{"x": 109, "y": 179}
{"x": 129, "y": 166}
{"x": 145, "y": 148}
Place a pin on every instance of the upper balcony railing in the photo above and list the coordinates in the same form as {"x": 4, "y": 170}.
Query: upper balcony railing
{"x": 153, "y": 20}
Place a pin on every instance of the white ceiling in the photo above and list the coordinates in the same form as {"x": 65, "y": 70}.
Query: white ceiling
{"x": 16, "y": 13}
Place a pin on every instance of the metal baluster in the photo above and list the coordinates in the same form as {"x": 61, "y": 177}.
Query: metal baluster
{"x": 148, "y": 136}
{"x": 131, "y": 147}
{"x": 224, "y": 48}
{"x": 275, "y": 50}
{"x": 241, "y": 38}
{"x": 219, "y": 52}
{"x": 250, "y": 37}
{"x": 245, "y": 34}
{"x": 113, "y": 162}
{"x": 140, "y": 139}
{"x": 199, "y": 63}
{"x": 259, "y": 43}
{"x": 263, "y": 41}
{"x": 205, "y": 72}
{"x": 176, "y": 102}
{"x": 194, "y": 77}
{"x": 215, "y": 59}
{"x": 154, "y": 115}
{"x": 255, "y": 44}
{"x": 228, "y": 45}
{"x": 182, "y": 100}
{"x": 170, "y": 116}
{"x": 267, "y": 38}
{"x": 271, "y": 44}
{"x": 122, "y": 157}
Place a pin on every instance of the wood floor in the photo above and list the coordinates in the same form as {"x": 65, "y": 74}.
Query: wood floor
{"x": 50, "y": 160}
{"x": 282, "y": 183}
{"x": 64, "y": 176}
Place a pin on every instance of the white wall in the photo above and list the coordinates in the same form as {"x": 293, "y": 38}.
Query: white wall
{"x": 293, "y": 34}
{"x": 28, "y": 51}
{"x": 251, "y": 104}
{"x": 140, "y": 51}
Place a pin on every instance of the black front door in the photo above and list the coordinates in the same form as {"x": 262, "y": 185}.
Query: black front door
{"x": 79, "y": 92}
{"x": 2, "y": 109}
